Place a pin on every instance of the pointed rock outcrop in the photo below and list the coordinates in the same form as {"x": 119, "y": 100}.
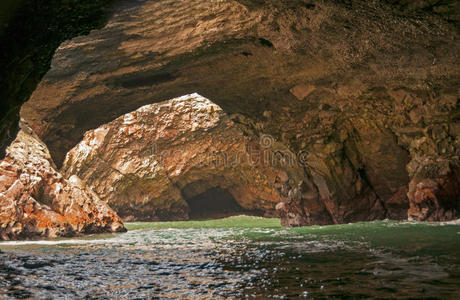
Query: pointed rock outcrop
{"x": 37, "y": 201}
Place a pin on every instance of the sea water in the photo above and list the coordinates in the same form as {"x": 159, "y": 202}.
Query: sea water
{"x": 240, "y": 257}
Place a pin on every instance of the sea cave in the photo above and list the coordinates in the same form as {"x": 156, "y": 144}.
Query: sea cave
{"x": 229, "y": 149}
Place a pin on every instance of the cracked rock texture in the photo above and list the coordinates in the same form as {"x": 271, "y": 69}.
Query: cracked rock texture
{"x": 366, "y": 93}
{"x": 37, "y": 201}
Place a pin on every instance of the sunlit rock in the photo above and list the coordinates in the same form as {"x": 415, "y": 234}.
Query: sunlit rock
{"x": 152, "y": 163}
{"x": 36, "y": 201}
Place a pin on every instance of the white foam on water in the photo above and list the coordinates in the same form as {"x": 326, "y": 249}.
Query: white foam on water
{"x": 55, "y": 242}
{"x": 161, "y": 238}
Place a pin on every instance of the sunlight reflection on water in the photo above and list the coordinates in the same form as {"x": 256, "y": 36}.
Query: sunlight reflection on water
{"x": 377, "y": 259}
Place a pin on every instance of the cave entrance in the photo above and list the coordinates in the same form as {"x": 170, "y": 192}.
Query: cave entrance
{"x": 214, "y": 203}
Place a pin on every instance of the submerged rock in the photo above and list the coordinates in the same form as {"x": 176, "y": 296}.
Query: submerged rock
{"x": 36, "y": 201}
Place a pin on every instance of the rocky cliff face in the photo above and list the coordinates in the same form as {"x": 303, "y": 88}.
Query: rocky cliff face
{"x": 36, "y": 201}
{"x": 366, "y": 95}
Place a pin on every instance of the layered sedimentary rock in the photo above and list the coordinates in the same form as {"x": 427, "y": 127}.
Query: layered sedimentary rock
{"x": 37, "y": 201}
{"x": 364, "y": 94}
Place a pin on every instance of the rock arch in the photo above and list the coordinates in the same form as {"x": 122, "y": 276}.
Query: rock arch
{"x": 146, "y": 164}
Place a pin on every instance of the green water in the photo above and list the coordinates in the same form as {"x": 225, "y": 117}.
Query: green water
{"x": 240, "y": 257}
{"x": 421, "y": 238}
{"x": 231, "y": 222}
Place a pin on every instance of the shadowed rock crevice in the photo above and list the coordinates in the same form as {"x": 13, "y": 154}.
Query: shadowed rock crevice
{"x": 143, "y": 79}
{"x": 213, "y": 203}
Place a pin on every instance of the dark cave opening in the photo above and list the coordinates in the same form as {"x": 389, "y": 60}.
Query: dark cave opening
{"x": 214, "y": 203}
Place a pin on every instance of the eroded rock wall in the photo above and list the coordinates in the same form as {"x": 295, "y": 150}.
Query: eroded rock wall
{"x": 37, "y": 201}
{"x": 366, "y": 93}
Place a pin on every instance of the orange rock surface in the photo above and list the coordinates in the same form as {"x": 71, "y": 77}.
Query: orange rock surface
{"x": 36, "y": 201}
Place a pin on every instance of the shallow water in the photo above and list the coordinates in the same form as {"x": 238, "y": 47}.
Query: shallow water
{"x": 240, "y": 257}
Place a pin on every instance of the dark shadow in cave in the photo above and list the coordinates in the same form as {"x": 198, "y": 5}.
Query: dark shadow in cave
{"x": 215, "y": 203}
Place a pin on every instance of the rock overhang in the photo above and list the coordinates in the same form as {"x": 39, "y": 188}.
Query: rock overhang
{"x": 317, "y": 78}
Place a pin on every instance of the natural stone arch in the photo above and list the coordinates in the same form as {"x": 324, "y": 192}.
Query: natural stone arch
{"x": 149, "y": 162}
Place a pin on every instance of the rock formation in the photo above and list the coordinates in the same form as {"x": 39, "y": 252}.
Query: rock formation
{"x": 148, "y": 163}
{"x": 363, "y": 93}
{"x": 36, "y": 201}
{"x": 434, "y": 190}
